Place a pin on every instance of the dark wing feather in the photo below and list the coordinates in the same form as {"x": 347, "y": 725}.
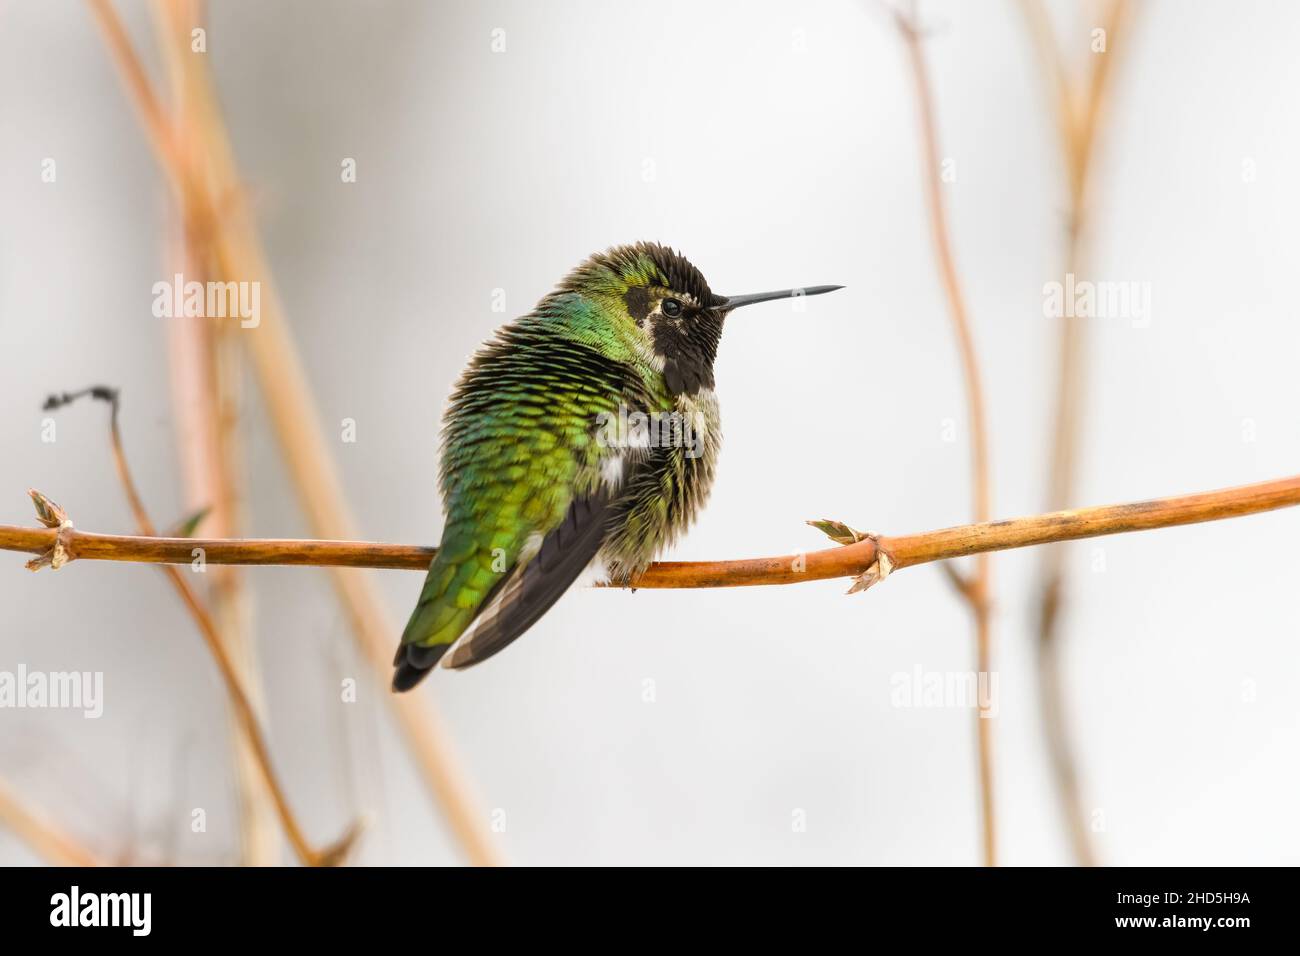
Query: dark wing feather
{"x": 529, "y": 593}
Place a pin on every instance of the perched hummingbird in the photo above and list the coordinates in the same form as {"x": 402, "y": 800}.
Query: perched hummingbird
{"x": 584, "y": 432}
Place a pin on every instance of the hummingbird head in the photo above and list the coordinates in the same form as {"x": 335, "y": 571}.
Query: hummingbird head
{"x": 669, "y": 300}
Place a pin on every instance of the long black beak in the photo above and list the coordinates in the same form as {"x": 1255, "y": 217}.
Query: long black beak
{"x": 727, "y": 303}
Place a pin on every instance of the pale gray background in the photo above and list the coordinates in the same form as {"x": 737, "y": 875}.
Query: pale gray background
{"x": 774, "y": 167}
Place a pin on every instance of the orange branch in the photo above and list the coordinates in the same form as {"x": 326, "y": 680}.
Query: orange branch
{"x": 902, "y": 551}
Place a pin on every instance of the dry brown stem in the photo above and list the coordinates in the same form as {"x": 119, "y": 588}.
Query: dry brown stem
{"x": 1080, "y": 106}
{"x": 54, "y": 516}
{"x": 205, "y": 383}
{"x": 237, "y": 256}
{"x": 976, "y": 588}
{"x": 40, "y": 833}
{"x": 903, "y": 551}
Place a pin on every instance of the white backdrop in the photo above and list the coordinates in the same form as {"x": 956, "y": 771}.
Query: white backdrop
{"x": 775, "y": 144}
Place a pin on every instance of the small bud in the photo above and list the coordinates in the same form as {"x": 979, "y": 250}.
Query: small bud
{"x": 838, "y": 531}
{"x": 48, "y": 512}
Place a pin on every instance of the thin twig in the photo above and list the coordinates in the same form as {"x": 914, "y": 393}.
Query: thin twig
{"x": 1079, "y": 112}
{"x": 205, "y": 381}
{"x": 292, "y": 408}
{"x": 239, "y": 699}
{"x": 902, "y": 551}
{"x": 42, "y": 834}
{"x": 976, "y": 588}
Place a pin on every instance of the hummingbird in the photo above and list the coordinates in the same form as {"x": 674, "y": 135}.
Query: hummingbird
{"x": 584, "y": 434}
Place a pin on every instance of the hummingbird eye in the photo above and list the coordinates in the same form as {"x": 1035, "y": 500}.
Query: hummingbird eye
{"x": 671, "y": 308}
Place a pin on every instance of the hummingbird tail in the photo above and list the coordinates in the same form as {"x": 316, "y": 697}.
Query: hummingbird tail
{"x": 413, "y": 664}
{"x": 453, "y": 593}
{"x": 467, "y": 635}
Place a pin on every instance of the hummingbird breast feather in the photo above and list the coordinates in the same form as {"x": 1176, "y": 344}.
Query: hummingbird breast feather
{"x": 665, "y": 489}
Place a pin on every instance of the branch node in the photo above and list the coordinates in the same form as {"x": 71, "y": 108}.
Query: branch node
{"x": 841, "y": 533}
{"x": 337, "y": 853}
{"x": 50, "y": 514}
{"x": 876, "y": 572}
{"x": 963, "y": 583}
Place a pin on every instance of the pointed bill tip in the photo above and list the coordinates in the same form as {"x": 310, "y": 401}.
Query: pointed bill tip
{"x": 726, "y": 303}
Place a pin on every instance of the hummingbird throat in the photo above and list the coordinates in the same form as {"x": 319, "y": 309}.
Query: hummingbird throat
{"x": 686, "y": 344}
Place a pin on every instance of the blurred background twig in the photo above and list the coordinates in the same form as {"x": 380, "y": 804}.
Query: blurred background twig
{"x": 240, "y": 703}
{"x": 237, "y": 256}
{"x": 975, "y": 588}
{"x": 40, "y": 833}
{"x": 1080, "y": 106}
{"x": 205, "y": 384}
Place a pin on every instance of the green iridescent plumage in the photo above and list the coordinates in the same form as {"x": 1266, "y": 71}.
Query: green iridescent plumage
{"x": 541, "y": 470}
